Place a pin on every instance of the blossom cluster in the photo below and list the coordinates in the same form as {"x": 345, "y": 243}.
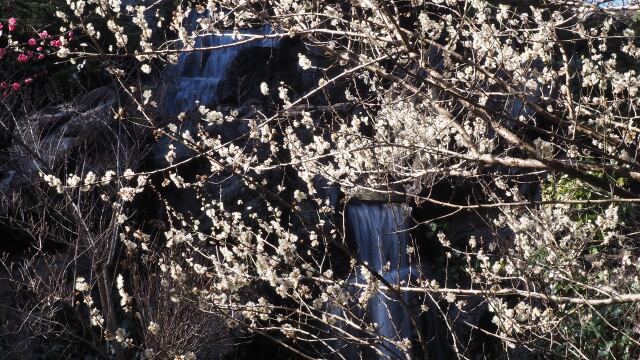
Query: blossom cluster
{"x": 35, "y": 49}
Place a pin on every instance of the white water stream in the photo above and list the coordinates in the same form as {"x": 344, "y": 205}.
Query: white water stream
{"x": 196, "y": 76}
{"x": 380, "y": 231}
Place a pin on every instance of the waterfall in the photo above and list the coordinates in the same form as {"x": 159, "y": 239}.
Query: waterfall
{"x": 196, "y": 75}
{"x": 380, "y": 231}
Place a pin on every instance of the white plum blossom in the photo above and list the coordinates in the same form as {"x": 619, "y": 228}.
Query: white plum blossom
{"x": 304, "y": 62}
{"x": 264, "y": 88}
{"x": 153, "y": 327}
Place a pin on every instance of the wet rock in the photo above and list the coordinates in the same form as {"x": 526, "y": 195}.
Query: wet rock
{"x": 273, "y": 66}
{"x": 74, "y": 137}
{"x": 42, "y": 140}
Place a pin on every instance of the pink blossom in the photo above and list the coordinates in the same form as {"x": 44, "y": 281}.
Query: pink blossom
{"x": 32, "y": 42}
{"x": 4, "y": 85}
{"x": 28, "y": 81}
{"x": 56, "y": 43}
{"x": 70, "y": 34}
{"x": 39, "y": 48}
{"x": 23, "y": 58}
{"x": 40, "y": 56}
{"x": 15, "y": 86}
{"x": 12, "y": 24}
{"x": 44, "y": 34}
{"x": 1, "y": 26}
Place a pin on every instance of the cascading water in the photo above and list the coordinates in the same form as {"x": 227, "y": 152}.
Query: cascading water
{"x": 196, "y": 75}
{"x": 380, "y": 231}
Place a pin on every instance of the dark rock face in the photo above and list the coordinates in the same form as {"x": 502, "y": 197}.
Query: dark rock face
{"x": 56, "y": 140}
{"x": 251, "y": 67}
{"x": 43, "y": 140}
{"x": 469, "y": 321}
